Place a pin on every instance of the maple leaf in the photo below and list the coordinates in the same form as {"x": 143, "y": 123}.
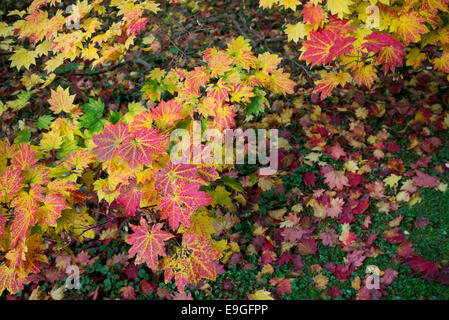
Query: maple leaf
{"x": 219, "y": 92}
{"x": 166, "y": 113}
{"x": 365, "y": 75}
{"x": 260, "y": 295}
{"x": 192, "y": 262}
{"x": 435, "y": 5}
{"x": 339, "y": 7}
{"x": 173, "y": 173}
{"x": 267, "y": 3}
{"x": 268, "y": 62}
{"x": 336, "y": 179}
{"x": 240, "y": 49}
{"x": 10, "y": 182}
{"x": 375, "y": 42}
{"x": 289, "y": 4}
{"x": 424, "y": 180}
{"x": 329, "y": 238}
{"x": 181, "y": 203}
{"x": 141, "y": 145}
{"x": 147, "y": 246}
{"x": 321, "y": 281}
{"x": 109, "y": 142}
{"x": 390, "y": 58}
{"x": 23, "y": 58}
{"x": 53, "y": 205}
{"x": 61, "y": 100}
{"x": 25, "y": 205}
{"x": 201, "y": 224}
{"x": 347, "y": 237}
{"x": 11, "y": 280}
{"x": 324, "y": 46}
{"x": 313, "y": 14}
{"x": 329, "y": 82}
{"x": 197, "y": 78}
{"x": 130, "y": 198}
{"x": 224, "y": 117}
{"x": 409, "y": 27}
{"x": 442, "y": 63}
{"x": 295, "y": 31}
{"x": 335, "y": 208}
{"x": 24, "y": 158}
{"x": 281, "y": 82}
{"x": 219, "y": 64}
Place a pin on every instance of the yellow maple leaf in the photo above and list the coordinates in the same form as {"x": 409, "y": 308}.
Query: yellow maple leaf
{"x": 23, "y": 58}
{"x": 50, "y": 140}
{"x": 267, "y": 3}
{"x": 260, "y": 295}
{"x": 295, "y": 31}
{"x": 415, "y": 57}
{"x": 339, "y": 7}
{"x": 201, "y": 224}
{"x": 289, "y": 4}
{"x": 392, "y": 180}
{"x": 61, "y": 100}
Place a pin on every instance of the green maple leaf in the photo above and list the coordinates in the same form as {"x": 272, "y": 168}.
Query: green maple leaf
{"x": 255, "y": 106}
{"x": 91, "y": 119}
{"x": 44, "y": 122}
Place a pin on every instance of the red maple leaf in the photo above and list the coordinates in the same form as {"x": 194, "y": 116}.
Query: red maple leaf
{"x": 424, "y": 180}
{"x": 181, "y": 203}
{"x": 109, "y": 142}
{"x": 129, "y": 197}
{"x": 141, "y": 145}
{"x": 324, "y": 46}
{"x": 147, "y": 246}
{"x": 166, "y": 178}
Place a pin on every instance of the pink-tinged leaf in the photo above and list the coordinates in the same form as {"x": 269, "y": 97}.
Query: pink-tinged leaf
{"x": 128, "y": 293}
{"x": 324, "y": 46}
{"x": 54, "y": 204}
{"x": 337, "y": 152}
{"x": 182, "y": 296}
{"x": 329, "y": 238}
{"x": 136, "y": 26}
{"x": 143, "y": 120}
{"x": 336, "y": 179}
{"x": 409, "y": 27}
{"x": 25, "y": 206}
{"x": 109, "y": 142}
{"x": 24, "y": 158}
{"x": 178, "y": 205}
{"x": 335, "y": 208}
{"x": 147, "y": 246}
{"x": 197, "y": 78}
{"x": 167, "y": 113}
{"x": 11, "y": 280}
{"x": 10, "y": 182}
{"x": 313, "y": 14}
{"x": 375, "y": 42}
{"x": 202, "y": 257}
{"x": 219, "y": 92}
{"x": 424, "y": 180}
{"x": 284, "y": 286}
{"x": 130, "y": 199}
{"x": 166, "y": 178}
{"x": 224, "y": 117}
{"x": 434, "y": 5}
{"x": 142, "y": 145}
{"x": 391, "y": 58}
{"x": 355, "y": 258}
